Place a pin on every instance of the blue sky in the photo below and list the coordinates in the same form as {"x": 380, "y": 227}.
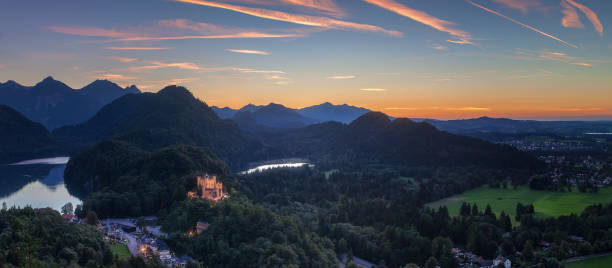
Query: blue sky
{"x": 416, "y": 58}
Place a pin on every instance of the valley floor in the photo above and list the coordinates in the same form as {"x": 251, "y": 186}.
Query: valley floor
{"x": 546, "y": 203}
{"x": 596, "y": 262}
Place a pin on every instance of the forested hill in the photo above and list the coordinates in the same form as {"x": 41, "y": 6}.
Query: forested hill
{"x": 115, "y": 173}
{"x": 375, "y": 139}
{"x": 21, "y": 138}
{"x": 173, "y": 116}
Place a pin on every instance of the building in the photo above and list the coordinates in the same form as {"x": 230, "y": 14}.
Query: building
{"x": 201, "y": 226}
{"x": 208, "y": 187}
{"x": 499, "y": 260}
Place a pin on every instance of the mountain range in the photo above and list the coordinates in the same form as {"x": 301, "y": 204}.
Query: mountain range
{"x": 275, "y": 117}
{"x": 485, "y": 124}
{"x": 54, "y": 104}
{"x": 173, "y": 116}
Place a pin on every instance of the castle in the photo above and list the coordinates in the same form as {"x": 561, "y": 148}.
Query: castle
{"x": 208, "y": 188}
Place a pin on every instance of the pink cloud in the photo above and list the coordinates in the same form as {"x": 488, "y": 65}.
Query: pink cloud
{"x": 307, "y": 20}
{"x": 123, "y": 59}
{"x": 590, "y": 14}
{"x": 571, "y": 18}
{"x": 424, "y": 18}
{"x": 87, "y": 31}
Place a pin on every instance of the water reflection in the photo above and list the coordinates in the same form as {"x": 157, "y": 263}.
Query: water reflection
{"x": 272, "y": 166}
{"x": 35, "y": 184}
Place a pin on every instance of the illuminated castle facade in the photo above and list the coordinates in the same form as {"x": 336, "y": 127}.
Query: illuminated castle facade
{"x": 208, "y": 188}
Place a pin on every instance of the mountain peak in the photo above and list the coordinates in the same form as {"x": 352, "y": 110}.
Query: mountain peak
{"x": 132, "y": 89}
{"x": 50, "y": 84}
{"x": 176, "y": 91}
{"x": 101, "y": 83}
{"x": 371, "y": 120}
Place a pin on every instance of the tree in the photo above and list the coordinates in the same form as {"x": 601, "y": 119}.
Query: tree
{"x": 489, "y": 212}
{"x": 465, "y": 209}
{"x": 441, "y": 249}
{"x": 67, "y": 208}
{"x": 3, "y": 206}
{"x": 475, "y": 210}
{"x": 431, "y": 263}
{"x": 92, "y": 218}
{"x": 141, "y": 224}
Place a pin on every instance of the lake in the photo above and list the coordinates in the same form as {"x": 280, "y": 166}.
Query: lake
{"x": 37, "y": 183}
{"x": 273, "y": 166}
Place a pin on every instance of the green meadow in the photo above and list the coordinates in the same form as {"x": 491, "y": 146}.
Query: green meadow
{"x": 121, "y": 251}
{"x": 546, "y": 204}
{"x": 599, "y": 262}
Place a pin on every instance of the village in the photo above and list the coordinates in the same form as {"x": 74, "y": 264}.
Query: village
{"x": 143, "y": 238}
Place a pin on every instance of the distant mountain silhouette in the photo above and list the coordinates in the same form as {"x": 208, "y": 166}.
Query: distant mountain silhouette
{"x": 21, "y": 138}
{"x": 373, "y": 138}
{"x": 329, "y": 112}
{"x": 275, "y": 117}
{"x": 54, "y": 104}
{"x": 250, "y": 108}
{"x": 225, "y": 112}
{"x": 173, "y": 116}
{"x": 476, "y": 126}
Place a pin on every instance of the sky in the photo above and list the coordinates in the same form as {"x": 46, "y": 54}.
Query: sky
{"x": 537, "y": 59}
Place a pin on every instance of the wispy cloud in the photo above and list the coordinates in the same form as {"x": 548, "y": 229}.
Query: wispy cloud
{"x": 138, "y": 48}
{"x": 424, "y": 18}
{"x": 590, "y": 14}
{"x": 328, "y": 6}
{"x": 520, "y": 23}
{"x": 373, "y": 89}
{"x": 244, "y": 35}
{"x": 248, "y": 51}
{"x": 388, "y": 74}
{"x": 123, "y": 59}
{"x": 583, "y": 64}
{"x": 118, "y": 77}
{"x": 154, "y": 65}
{"x": 307, "y": 20}
{"x": 87, "y": 31}
{"x": 471, "y": 108}
{"x": 178, "y": 29}
{"x": 259, "y": 71}
{"x": 580, "y": 109}
{"x": 438, "y": 47}
{"x": 570, "y": 18}
{"x": 556, "y": 56}
{"x": 522, "y": 5}
{"x": 468, "y": 108}
{"x": 341, "y": 77}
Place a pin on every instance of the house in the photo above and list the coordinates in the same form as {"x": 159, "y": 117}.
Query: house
{"x": 127, "y": 228}
{"x": 501, "y": 260}
{"x": 483, "y": 263}
{"x": 70, "y": 217}
{"x": 201, "y": 226}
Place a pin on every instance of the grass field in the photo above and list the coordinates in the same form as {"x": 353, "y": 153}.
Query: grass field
{"x": 121, "y": 251}
{"x": 546, "y": 204}
{"x": 601, "y": 262}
